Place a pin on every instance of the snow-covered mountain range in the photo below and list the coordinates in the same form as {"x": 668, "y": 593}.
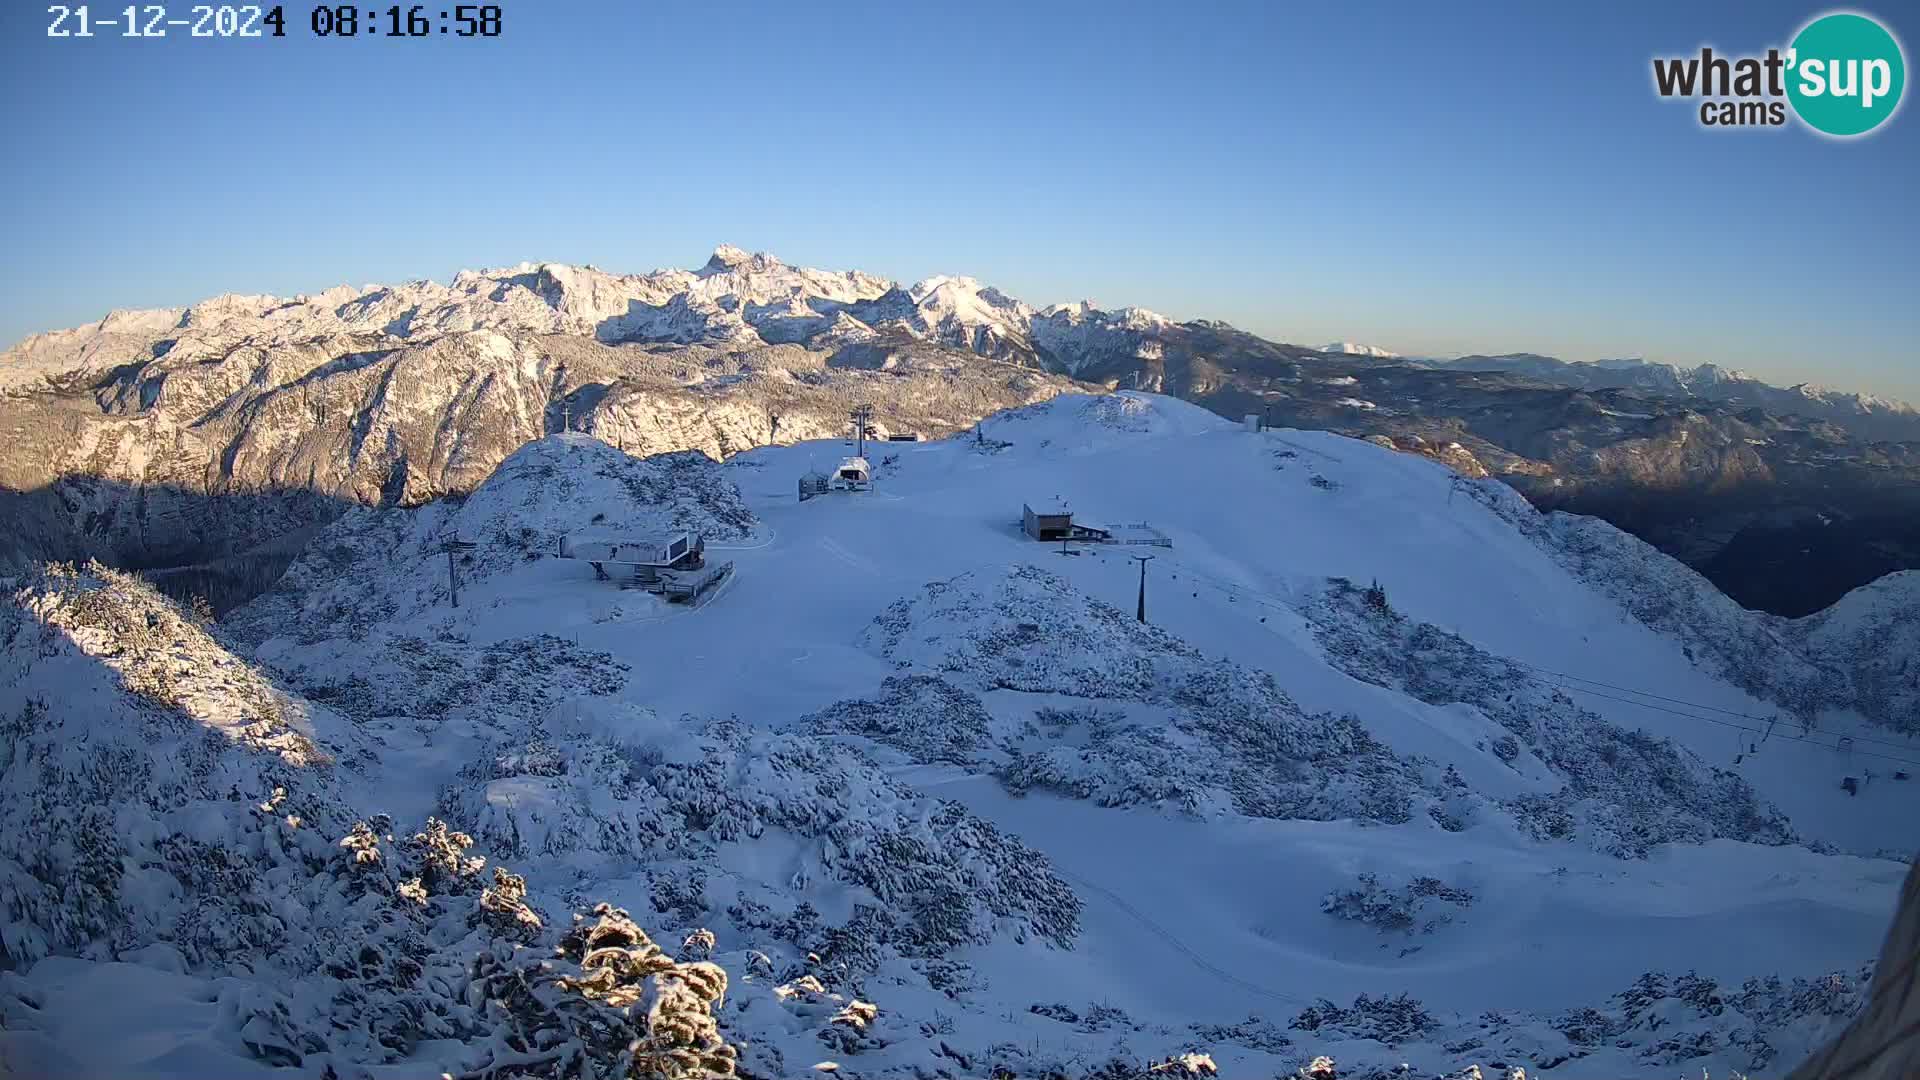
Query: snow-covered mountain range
{"x": 222, "y": 434}
{"x": 1396, "y": 770}
{"x": 736, "y": 298}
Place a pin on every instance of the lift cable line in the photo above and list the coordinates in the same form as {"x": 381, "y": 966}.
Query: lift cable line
{"x": 1909, "y": 745}
{"x": 1643, "y": 693}
{"x": 1808, "y": 738}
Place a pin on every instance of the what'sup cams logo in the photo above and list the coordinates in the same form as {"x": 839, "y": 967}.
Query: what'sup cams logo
{"x": 1843, "y": 75}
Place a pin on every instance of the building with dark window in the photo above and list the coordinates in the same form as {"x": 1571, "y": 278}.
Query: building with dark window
{"x": 1050, "y": 519}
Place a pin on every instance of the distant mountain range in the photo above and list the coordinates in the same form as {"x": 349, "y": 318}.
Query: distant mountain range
{"x": 1865, "y": 415}
{"x": 117, "y": 435}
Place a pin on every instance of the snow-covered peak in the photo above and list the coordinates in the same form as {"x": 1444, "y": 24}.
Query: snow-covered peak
{"x": 967, "y": 300}
{"x": 1079, "y": 336}
{"x": 1349, "y": 348}
{"x": 219, "y": 309}
{"x": 1711, "y": 374}
{"x": 726, "y": 257}
{"x": 1139, "y": 318}
{"x": 1076, "y": 310}
{"x": 947, "y": 285}
{"x": 138, "y": 320}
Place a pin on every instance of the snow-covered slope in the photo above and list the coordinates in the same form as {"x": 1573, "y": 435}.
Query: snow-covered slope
{"x": 1394, "y": 771}
{"x": 144, "y": 766}
{"x": 1857, "y": 660}
{"x": 1871, "y": 641}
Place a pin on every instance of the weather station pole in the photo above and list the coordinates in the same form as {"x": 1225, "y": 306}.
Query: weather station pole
{"x": 1141, "y": 612}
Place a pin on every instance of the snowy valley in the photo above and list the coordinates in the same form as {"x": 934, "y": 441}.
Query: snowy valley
{"x": 1396, "y": 771}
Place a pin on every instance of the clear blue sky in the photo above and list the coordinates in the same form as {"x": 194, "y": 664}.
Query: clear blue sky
{"x": 1436, "y": 178}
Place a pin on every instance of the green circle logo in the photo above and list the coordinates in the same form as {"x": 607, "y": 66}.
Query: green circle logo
{"x": 1845, "y": 74}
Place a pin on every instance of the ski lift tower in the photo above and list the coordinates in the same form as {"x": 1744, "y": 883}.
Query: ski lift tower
{"x": 453, "y": 547}
{"x": 1141, "y": 613}
{"x": 560, "y": 383}
{"x": 862, "y": 418}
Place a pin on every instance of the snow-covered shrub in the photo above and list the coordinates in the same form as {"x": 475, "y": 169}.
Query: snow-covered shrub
{"x": 924, "y": 716}
{"x": 1672, "y": 1019}
{"x": 1113, "y": 762}
{"x": 1253, "y": 1032}
{"x": 1418, "y": 904}
{"x": 395, "y": 920}
{"x": 667, "y": 798}
{"x": 1096, "y": 1016}
{"x": 1230, "y": 738}
{"x": 1387, "y": 1020}
{"x": 1189, "y": 1064}
{"x": 1320, "y": 1068}
{"x": 1625, "y": 791}
{"x": 698, "y": 945}
{"x": 609, "y": 1004}
{"x": 502, "y": 684}
{"x": 1660, "y": 1023}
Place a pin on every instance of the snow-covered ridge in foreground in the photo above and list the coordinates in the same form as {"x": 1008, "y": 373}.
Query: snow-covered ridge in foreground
{"x": 1279, "y": 820}
{"x": 135, "y": 740}
{"x": 374, "y": 566}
